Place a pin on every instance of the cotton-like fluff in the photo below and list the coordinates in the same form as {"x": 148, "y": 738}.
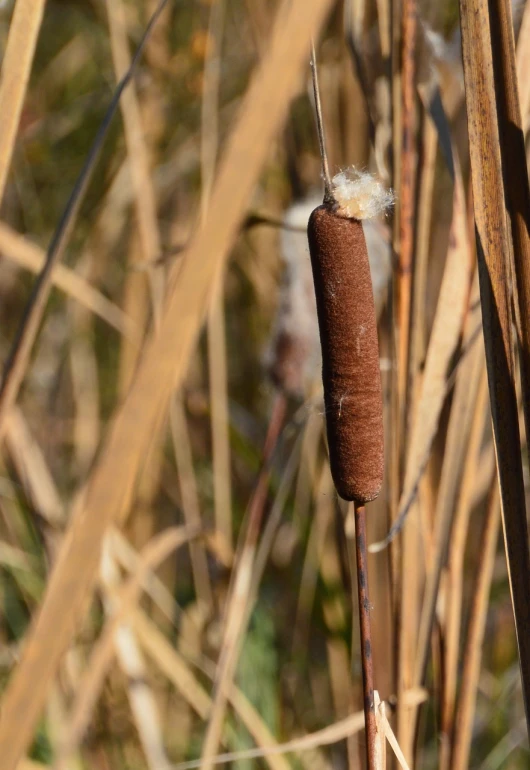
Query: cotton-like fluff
{"x": 293, "y": 357}
{"x": 359, "y": 195}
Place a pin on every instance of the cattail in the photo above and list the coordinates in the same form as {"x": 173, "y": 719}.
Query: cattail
{"x": 293, "y": 358}
{"x": 348, "y": 333}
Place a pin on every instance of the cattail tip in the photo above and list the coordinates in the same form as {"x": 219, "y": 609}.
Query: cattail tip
{"x": 359, "y": 195}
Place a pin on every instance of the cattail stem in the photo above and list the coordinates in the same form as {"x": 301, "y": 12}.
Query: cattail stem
{"x": 328, "y": 191}
{"x": 366, "y": 637}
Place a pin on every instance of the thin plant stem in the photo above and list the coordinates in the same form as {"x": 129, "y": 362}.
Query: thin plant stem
{"x": 241, "y": 590}
{"x": 475, "y": 635}
{"x": 328, "y": 195}
{"x": 366, "y": 636}
{"x": 217, "y": 355}
{"x": 517, "y": 191}
{"x": 406, "y": 194}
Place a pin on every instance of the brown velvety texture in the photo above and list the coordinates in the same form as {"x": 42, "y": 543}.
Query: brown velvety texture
{"x": 350, "y": 353}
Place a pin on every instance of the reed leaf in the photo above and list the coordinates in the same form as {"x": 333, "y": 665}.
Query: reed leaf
{"x": 494, "y": 277}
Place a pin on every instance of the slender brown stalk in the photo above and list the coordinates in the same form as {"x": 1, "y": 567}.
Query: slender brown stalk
{"x": 320, "y": 125}
{"x": 418, "y": 342}
{"x": 407, "y": 191}
{"x": 410, "y": 578}
{"x": 517, "y": 192}
{"x": 366, "y": 637}
{"x": 494, "y": 275}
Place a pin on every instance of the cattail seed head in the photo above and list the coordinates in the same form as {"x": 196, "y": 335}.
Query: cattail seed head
{"x": 293, "y": 357}
{"x": 350, "y": 352}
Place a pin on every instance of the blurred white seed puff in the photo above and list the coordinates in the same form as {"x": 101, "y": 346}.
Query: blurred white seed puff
{"x": 293, "y": 356}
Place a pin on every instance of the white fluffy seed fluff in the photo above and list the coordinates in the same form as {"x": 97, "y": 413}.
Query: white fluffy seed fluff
{"x": 359, "y": 195}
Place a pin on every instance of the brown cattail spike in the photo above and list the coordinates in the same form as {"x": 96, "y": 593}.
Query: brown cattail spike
{"x": 350, "y": 353}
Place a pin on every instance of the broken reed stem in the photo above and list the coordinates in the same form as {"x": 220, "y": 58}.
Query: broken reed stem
{"x": 366, "y": 636}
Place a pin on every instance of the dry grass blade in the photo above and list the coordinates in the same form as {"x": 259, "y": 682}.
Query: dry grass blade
{"x": 456, "y": 569}
{"x": 336, "y": 732}
{"x": 307, "y": 469}
{"x": 190, "y": 498}
{"x": 217, "y": 363}
{"x": 217, "y": 367}
{"x": 162, "y": 368}
{"x": 130, "y": 659}
{"x": 129, "y": 559}
{"x": 517, "y": 190}
{"x": 321, "y": 519}
{"x": 274, "y": 517}
{"x": 26, "y": 254}
{"x": 144, "y": 195}
{"x": 84, "y": 372}
{"x": 238, "y": 605}
{"x": 429, "y": 147}
{"x": 325, "y": 737}
{"x": 468, "y": 379}
{"x": 157, "y": 550}
{"x": 29, "y": 764}
{"x": 16, "y": 68}
{"x": 177, "y": 671}
{"x": 32, "y": 470}
{"x": 494, "y": 275}
{"x": 387, "y": 734}
{"x": 18, "y": 358}
{"x": 475, "y": 636}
